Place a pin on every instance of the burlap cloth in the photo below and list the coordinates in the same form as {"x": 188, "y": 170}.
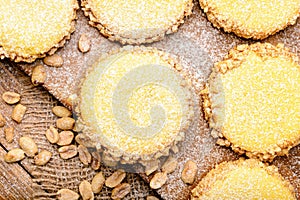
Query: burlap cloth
{"x": 199, "y": 45}
{"x": 58, "y": 173}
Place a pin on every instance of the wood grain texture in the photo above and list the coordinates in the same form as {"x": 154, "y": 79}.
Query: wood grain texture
{"x": 24, "y": 180}
{"x": 199, "y": 44}
{"x": 15, "y": 179}
{"x": 15, "y": 182}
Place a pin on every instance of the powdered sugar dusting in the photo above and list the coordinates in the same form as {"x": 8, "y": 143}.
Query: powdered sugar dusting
{"x": 198, "y": 44}
{"x": 63, "y": 82}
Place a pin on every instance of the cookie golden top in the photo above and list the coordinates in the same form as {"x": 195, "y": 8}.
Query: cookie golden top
{"x": 255, "y": 101}
{"x": 31, "y": 29}
{"x": 134, "y": 104}
{"x": 252, "y": 19}
{"x": 137, "y": 21}
{"x": 243, "y": 179}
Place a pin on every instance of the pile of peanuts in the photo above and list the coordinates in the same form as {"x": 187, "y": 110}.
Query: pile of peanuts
{"x": 63, "y": 136}
{"x": 65, "y": 124}
{"x": 27, "y": 145}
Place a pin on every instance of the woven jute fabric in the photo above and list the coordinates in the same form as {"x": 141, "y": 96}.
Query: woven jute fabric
{"x": 58, "y": 173}
{"x": 199, "y": 45}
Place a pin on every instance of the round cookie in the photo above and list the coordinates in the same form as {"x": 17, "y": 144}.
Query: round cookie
{"x": 136, "y": 21}
{"x": 251, "y": 19}
{"x": 134, "y": 105}
{"x": 30, "y": 30}
{"x": 252, "y": 100}
{"x": 243, "y": 179}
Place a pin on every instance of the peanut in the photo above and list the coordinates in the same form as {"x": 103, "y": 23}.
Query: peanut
{"x": 189, "y": 172}
{"x": 65, "y": 123}
{"x": 170, "y": 165}
{"x": 54, "y": 60}
{"x": 38, "y": 75}
{"x": 175, "y": 149}
{"x": 84, "y": 43}
{"x": 18, "y": 113}
{"x": 120, "y": 191}
{"x": 14, "y": 155}
{"x": 66, "y": 194}
{"x": 84, "y": 155}
{"x": 98, "y": 182}
{"x": 96, "y": 160}
{"x": 115, "y": 179}
{"x": 158, "y": 180}
{"x": 85, "y": 190}
{"x": 151, "y": 167}
{"x": 28, "y": 145}
{"x": 2, "y": 121}
{"x": 151, "y": 198}
{"x": 78, "y": 127}
{"x": 85, "y": 141}
{"x": 9, "y": 134}
{"x": 61, "y": 111}
{"x": 52, "y": 135}
{"x": 43, "y": 157}
{"x": 11, "y": 97}
{"x": 65, "y": 138}
{"x": 67, "y": 152}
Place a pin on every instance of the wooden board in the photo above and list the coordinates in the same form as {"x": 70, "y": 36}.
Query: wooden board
{"x": 16, "y": 178}
{"x": 197, "y": 43}
{"x": 24, "y": 180}
{"x": 15, "y": 182}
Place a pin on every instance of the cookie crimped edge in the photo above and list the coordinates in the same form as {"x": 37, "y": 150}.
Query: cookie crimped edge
{"x": 111, "y": 156}
{"x": 220, "y": 170}
{"x": 235, "y": 58}
{"x": 223, "y": 22}
{"x": 93, "y": 21}
{"x": 29, "y": 59}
